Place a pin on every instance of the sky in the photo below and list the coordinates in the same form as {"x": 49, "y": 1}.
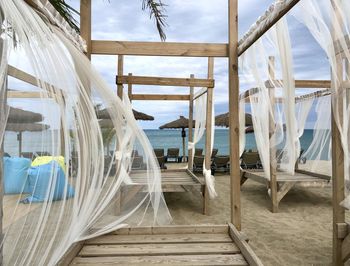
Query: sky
{"x": 187, "y": 21}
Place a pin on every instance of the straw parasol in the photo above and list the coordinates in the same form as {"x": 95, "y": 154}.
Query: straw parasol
{"x": 182, "y": 123}
{"x": 22, "y": 116}
{"x": 22, "y": 127}
{"x": 223, "y": 121}
{"x": 103, "y": 114}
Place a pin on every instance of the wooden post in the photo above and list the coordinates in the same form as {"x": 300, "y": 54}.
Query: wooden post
{"x": 120, "y": 73}
{"x": 85, "y": 24}
{"x": 19, "y": 138}
{"x": 130, "y": 89}
{"x": 337, "y": 177}
{"x": 233, "y": 94}
{"x": 208, "y": 135}
{"x": 190, "y": 126}
{"x": 273, "y": 162}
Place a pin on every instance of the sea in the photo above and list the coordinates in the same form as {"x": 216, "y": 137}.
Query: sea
{"x": 164, "y": 139}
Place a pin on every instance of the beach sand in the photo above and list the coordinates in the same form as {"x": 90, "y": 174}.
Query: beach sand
{"x": 300, "y": 234}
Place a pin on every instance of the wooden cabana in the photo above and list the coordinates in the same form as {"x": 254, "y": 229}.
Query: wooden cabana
{"x": 176, "y": 180}
{"x": 281, "y": 183}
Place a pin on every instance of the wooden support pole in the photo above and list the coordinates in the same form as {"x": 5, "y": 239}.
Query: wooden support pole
{"x": 235, "y": 179}
{"x": 268, "y": 22}
{"x": 208, "y": 133}
{"x": 85, "y": 24}
{"x": 160, "y": 97}
{"x": 130, "y": 89}
{"x": 190, "y": 126}
{"x": 273, "y": 162}
{"x": 120, "y": 73}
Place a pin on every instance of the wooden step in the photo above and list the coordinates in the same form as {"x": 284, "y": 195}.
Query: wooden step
{"x": 165, "y": 239}
{"x": 185, "y": 260}
{"x": 158, "y": 249}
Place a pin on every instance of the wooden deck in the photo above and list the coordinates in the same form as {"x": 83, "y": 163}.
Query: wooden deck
{"x": 173, "y": 180}
{"x": 285, "y": 182}
{"x": 171, "y": 245}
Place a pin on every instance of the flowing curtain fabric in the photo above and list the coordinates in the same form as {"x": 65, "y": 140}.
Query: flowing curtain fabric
{"x": 200, "y": 110}
{"x": 82, "y": 192}
{"x": 329, "y": 23}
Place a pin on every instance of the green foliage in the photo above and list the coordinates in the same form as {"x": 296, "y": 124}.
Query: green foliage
{"x": 67, "y": 12}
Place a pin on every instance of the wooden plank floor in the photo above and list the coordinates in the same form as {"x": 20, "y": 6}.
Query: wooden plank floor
{"x": 172, "y": 245}
{"x": 283, "y": 177}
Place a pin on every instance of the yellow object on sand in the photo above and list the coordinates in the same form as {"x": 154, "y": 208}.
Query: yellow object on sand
{"x": 46, "y": 159}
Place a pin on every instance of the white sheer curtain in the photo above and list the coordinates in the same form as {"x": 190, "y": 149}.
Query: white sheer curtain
{"x": 82, "y": 197}
{"x": 329, "y": 24}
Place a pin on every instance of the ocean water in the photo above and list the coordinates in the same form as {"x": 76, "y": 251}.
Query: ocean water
{"x": 167, "y": 138}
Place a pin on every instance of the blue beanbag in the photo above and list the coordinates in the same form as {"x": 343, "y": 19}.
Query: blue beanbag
{"x": 48, "y": 182}
{"x": 15, "y": 175}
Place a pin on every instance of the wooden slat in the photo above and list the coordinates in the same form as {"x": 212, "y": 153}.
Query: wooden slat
{"x": 159, "y": 48}
{"x": 71, "y": 253}
{"x": 158, "y": 249}
{"x": 25, "y": 94}
{"x": 185, "y": 260}
{"x": 178, "y": 229}
{"x": 160, "y": 97}
{"x": 245, "y": 249}
{"x": 163, "y": 81}
{"x": 163, "y": 239}
{"x": 303, "y": 84}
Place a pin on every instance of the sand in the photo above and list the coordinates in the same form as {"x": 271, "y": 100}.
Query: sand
{"x": 300, "y": 234}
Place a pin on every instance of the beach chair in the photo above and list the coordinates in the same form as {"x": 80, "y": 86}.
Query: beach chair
{"x": 221, "y": 163}
{"x": 6, "y": 154}
{"x": 134, "y": 153}
{"x": 251, "y": 160}
{"x": 160, "y": 157}
{"x": 214, "y": 153}
{"x": 198, "y": 163}
{"x": 137, "y": 163}
{"x": 173, "y": 153}
{"x": 28, "y": 155}
{"x": 198, "y": 152}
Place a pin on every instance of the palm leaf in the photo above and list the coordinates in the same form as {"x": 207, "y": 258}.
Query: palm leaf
{"x": 67, "y": 12}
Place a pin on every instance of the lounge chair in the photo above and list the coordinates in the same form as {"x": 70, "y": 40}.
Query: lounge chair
{"x": 6, "y": 154}
{"x": 28, "y": 155}
{"x": 198, "y": 152}
{"x": 173, "y": 153}
{"x": 134, "y": 153}
{"x": 198, "y": 163}
{"x": 214, "y": 153}
{"x": 221, "y": 163}
{"x": 160, "y": 157}
{"x": 251, "y": 160}
{"x": 137, "y": 163}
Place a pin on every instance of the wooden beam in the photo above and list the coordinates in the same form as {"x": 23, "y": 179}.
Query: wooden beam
{"x": 162, "y": 81}
{"x": 269, "y": 21}
{"x": 302, "y": 84}
{"x": 159, "y": 48}
{"x": 160, "y": 97}
{"x": 85, "y": 24}
{"x": 120, "y": 73}
{"x": 233, "y": 95}
{"x": 25, "y": 94}
{"x": 346, "y": 248}
{"x": 190, "y": 126}
{"x": 208, "y": 133}
{"x": 244, "y": 247}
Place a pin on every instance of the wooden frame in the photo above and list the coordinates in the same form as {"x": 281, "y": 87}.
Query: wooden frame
{"x": 191, "y": 82}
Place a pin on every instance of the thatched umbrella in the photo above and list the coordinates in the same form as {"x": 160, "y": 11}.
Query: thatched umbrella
{"x": 22, "y": 127}
{"x": 182, "y": 123}
{"x": 103, "y": 114}
{"x": 22, "y": 116}
{"x": 223, "y": 121}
